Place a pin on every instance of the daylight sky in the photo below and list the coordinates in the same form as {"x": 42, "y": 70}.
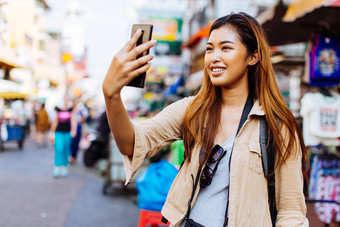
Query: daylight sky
{"x": 107, "y": 27}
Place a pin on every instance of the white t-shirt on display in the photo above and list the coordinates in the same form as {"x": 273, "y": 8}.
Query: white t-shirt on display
{"x": 321, "y": 119}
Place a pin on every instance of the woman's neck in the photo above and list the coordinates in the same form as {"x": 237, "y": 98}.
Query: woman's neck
{"x": 233, "y": 102}
{"x": 234, "y": 98}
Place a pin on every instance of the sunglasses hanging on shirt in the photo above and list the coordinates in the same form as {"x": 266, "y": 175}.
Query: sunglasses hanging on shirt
{"x": 211, "y": 166}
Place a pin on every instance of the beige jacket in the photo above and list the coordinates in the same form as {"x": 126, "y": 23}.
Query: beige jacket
{"x": 248, "y": 198}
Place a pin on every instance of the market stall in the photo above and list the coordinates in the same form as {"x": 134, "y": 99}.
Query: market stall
{"x": 295, "y": 23}
{"x": 315, "y": 24}
{"x": 12, "y": 114}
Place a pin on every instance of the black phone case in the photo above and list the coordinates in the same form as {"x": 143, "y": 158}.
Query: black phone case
{"x": 139, "y": 81}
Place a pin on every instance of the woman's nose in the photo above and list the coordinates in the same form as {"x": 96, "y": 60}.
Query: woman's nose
{"x": 216, "y": 56}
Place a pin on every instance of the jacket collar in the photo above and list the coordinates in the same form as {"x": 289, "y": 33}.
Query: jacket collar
{"x": 257, "y": 109}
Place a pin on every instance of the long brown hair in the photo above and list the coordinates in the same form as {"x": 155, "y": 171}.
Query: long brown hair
{"x": 202, "y": 117}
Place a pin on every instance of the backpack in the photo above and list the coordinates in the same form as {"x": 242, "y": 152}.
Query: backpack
{"x": 43, "y": 121}
{"x": 153, "y": 185}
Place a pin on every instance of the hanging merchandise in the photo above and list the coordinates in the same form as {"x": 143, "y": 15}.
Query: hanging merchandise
{"x": 307, "y": 67}
{"x": 324, "y": 183}
{"x": 321, "y": 119}
{"x": 324, "y": 62}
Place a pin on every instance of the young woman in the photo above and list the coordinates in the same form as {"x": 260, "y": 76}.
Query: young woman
{"x": 63, "y": 129}
{"x": 237, "y": 74}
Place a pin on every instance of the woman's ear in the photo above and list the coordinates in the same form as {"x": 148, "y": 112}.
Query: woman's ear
{"x": 254, "y": 58}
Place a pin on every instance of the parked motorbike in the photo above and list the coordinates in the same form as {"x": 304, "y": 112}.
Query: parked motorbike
{"x": 98, "y": 149}
{"x": 99, "y": 142}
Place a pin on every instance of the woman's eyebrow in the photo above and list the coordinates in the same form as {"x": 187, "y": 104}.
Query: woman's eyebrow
{"x": 222, "y": 42}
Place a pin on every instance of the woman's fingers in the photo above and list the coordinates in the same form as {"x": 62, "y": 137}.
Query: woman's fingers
{"x": 139, "y": 70}
{"x": 140, "y": 61}
{"x": 141, "y": 48}
{"x": 124, "y": 66}
{"x": 136, "y": 67}
{"x": 131, "y": 66}
{"x": 128, "y": 69}
{"x": 132, "y": 42}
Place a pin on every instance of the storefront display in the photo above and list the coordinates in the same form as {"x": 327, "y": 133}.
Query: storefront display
{"x": 321, "y": 133}
{"x": 315, "y": 23}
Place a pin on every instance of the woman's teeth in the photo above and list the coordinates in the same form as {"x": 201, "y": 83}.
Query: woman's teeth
{"x": 217, "y": 69}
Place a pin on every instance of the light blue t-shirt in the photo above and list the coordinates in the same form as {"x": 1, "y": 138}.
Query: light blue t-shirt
{"x": 211, "y": 204}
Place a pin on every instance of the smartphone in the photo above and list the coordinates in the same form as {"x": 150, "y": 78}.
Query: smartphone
{"x": 139, "y": 81}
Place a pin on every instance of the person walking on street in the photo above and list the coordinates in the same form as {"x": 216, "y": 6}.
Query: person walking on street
{"x": 63, "y": 129}
{"x": 221, "y": 182}
{"x": 81, "y": 114}
{"x": 42, "y": 126}
{"x": 36, "y": 105}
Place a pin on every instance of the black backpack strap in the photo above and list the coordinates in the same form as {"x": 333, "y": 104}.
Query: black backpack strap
{"x": 268, "y": 162}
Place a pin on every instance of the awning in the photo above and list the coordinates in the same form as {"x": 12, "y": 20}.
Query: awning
{"x": 299, "y": 8}
{"x": 9, "y": 64}
{"x": 13, "y": 95}
{"x": 10, "y": 90}
{"x": 7, "y": 85}
{"x": 9, "y": 59}
{"x": 276, "y": 30}
{"x": 319, "y": 20}
{"x": 202, "y": 33}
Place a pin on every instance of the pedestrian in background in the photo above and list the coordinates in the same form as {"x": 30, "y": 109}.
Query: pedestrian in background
{"x": 81, "y": 114}
{"x": 42, "y": 126}
{"x": 36, "y": 105}
{"x": 63, "y": 128}
{"x": 238, "y": 75}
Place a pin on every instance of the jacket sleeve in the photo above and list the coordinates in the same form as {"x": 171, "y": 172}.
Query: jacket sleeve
{"x": 154, "y": 134}
{"x": 290, "y": 200}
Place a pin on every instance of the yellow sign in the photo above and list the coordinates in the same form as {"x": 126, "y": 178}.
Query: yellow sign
{"x": 66, "y": 57}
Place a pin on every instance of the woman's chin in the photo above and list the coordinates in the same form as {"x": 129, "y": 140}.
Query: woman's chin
{"x": 218, "y": 82}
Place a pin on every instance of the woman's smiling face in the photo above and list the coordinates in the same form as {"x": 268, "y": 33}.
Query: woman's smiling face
{"x": 226, "y": 58}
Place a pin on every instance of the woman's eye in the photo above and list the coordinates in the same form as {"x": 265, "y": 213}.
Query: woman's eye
{"x": 208, "y": 49}
{"x": 226, "y": 48}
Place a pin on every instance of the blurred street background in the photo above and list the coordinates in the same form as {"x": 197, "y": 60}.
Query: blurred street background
{"x": 50, "y": 49}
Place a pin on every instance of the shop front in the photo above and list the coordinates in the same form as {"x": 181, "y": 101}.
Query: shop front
{"x": 315, "y": 25}
{"x": 12, "y": 113}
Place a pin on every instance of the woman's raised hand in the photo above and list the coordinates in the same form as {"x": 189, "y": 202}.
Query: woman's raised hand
{"x": 124, "y": 66}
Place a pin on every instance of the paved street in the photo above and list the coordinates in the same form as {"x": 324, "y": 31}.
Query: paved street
{"x": 30, "y": 196}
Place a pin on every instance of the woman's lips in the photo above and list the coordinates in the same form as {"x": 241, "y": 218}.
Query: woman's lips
{"x": 215, "y": 71}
